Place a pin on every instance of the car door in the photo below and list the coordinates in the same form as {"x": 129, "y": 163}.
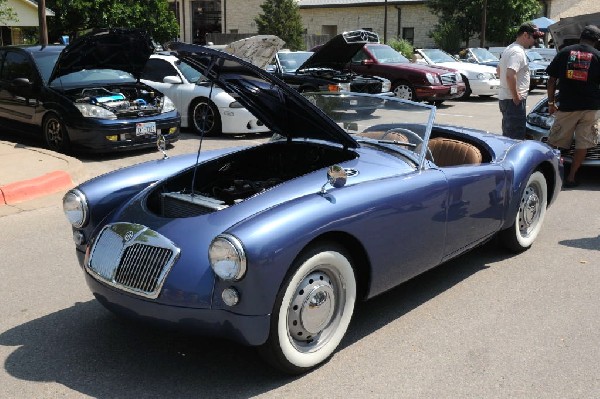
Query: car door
{"x": 476, "y": 203}
{"x": 18, "y": 80}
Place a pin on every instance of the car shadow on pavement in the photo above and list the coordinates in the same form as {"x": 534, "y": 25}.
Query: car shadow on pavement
{"x": 91, "y": 351}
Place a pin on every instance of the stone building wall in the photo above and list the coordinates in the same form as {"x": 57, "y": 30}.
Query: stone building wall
{"x": 569, "y": 8}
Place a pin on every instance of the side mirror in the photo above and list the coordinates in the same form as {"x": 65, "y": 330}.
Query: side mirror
{"x": 21, "y": 83}
{"x": 176, "y": 80}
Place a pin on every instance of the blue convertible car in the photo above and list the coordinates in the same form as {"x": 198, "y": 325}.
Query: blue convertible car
{"x": 272, "y": 245}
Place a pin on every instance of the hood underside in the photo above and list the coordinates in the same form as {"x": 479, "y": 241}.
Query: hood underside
{"x": 281, "y": 108}
{"x": 121, "y": 49}
{"x": 257, "y": 50}
{"x": 337, "y": 52}
{"x": 567, "y": 30}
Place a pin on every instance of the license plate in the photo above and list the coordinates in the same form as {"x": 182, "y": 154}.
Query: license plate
{"x": 353, "y": 102}
{"x": 453, "y": 90}
{"x": 142, "y": 129}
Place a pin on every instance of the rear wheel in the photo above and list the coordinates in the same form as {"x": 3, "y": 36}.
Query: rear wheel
{"x": 55, "y": 134}
{"x": 530, "y": 215}
{"x": 312, "y": 311}
{"x": 404, "y": 90}
{"x": 205, "y": 117}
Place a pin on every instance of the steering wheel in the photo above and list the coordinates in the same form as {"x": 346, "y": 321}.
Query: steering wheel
{"x": 408, "y": 132}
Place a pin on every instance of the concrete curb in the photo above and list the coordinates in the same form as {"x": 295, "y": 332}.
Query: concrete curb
{"x": 28, "y": 173}
{"x": 33, "y": 188}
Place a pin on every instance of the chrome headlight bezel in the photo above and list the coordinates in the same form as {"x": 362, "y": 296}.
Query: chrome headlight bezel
{"x": 227, "y": 257}
{"x": 76, "y": 208}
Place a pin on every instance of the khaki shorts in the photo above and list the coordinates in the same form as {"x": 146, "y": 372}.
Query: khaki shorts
{"x": 584, "y": 125}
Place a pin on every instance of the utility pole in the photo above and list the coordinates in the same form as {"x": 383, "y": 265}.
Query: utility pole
{"x": 483, "y": 24}
{"x": 385, "y": 21}
{"x": 42, "y": 21}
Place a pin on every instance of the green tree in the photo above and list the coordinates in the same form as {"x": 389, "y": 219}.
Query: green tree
{"x": 282, "y": 18}
{"x": 402, "y": 46}
{"x": 503, "y": 18}
{"x": 7, "y": 14}
{"x": 73, "y": 17}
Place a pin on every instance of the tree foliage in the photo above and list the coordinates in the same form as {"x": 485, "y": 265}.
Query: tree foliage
{"x": 402, "y": 46}
{"x": 503, "y": 17}
{"x": 7, "y": 14}
{"x": 73, "y": 17}
{"x": 281, "y": 18}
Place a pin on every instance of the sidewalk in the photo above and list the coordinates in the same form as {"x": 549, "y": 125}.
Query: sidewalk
{"x": 28, "y": 173}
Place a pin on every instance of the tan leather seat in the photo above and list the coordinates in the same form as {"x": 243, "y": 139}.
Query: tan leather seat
{"x": 450, "y": 152}
{"x": 385, "y": 135}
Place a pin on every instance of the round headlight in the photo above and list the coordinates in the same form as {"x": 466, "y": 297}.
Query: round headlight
{"x": 227, "y": 258}
{"x": 75, "y": 208}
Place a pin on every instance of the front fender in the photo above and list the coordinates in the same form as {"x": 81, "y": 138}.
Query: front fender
{"x": 109, "y": 192}
{"x": 521, "y": 161}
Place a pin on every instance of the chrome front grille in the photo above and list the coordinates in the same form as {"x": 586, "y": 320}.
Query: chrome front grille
{"x": 593, "y": 154}
{"x": 133, "y": 258}
{"x": 448, "y": 79}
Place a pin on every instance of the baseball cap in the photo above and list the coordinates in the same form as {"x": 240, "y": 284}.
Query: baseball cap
{"x": 591, "y": 32}
{"x": 531, "y": 29}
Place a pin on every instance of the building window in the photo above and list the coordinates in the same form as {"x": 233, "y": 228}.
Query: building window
{"x": 206, "y": 18}
{"x": 408, "y": 34}
{"x": 234, "y": 31}
{"x": 330, "y": 30}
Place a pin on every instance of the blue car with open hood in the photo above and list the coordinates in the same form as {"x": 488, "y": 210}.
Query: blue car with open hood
{"x": 86, "y": 96}
{"x": 273, "y": 244}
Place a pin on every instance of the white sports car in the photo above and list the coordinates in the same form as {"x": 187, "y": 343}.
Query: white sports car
{"x": 202, "y": 108}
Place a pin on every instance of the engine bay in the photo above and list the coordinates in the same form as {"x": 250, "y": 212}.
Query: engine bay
{"x": 231, "y": 179}
{"x": 123, "y": 101}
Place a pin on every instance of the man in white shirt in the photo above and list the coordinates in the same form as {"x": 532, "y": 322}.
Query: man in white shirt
{"x": 513, "y": 70}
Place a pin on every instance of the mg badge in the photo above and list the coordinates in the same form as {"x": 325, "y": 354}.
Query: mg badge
{"x": 128, "y": 236}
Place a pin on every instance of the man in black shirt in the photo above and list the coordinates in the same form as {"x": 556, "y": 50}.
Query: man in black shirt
{"x": 577, "y": 70}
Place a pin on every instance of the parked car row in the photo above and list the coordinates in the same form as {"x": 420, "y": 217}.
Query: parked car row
{"x": 480, "y": 80}
{"x": 110, "y": 91}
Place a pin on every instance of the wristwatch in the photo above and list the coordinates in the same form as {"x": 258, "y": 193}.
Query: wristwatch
{"x": 550, "y": 102}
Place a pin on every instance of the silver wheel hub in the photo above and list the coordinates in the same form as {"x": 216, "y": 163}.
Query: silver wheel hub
{"x": 529, "y": 210}
{"x": 312, "y": 307}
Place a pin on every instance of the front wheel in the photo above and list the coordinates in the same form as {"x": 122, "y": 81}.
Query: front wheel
{"x": 530, "y": 215}
{"x": 205, "y": 117}
{"x": 405, "y": 91}
{"x": 55, "y": 134}
{"x": 312, "y": 312}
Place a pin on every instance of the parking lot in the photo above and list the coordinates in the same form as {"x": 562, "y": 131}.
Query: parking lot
{"x": 485, "y": 325}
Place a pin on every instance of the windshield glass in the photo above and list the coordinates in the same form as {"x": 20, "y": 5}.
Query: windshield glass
{"x": 437, "y": 55}
{"x": 533, "y": 56}
{"x": 387, "y": 55}
{"x": 93, "y": 76}
{"x": 484, "y": 55}
{"x": 190, "y": 73}
{"x": 45, "y": 62}
{"x": 291, "y": 61}
{"x": 401, "y": 125}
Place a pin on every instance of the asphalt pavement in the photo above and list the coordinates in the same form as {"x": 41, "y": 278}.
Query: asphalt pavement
{"x": 28, "y": 173}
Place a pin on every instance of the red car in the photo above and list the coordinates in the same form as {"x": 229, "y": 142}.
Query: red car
{"x": 410, "y": 81}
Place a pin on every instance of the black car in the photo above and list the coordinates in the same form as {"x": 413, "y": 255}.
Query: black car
{"x": 325, "y": 68}
{"x": 86, "y": 96}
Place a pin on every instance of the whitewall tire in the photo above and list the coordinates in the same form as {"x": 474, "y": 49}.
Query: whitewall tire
{"x": 313, "y": 310}
{"x": 530, "y": 215}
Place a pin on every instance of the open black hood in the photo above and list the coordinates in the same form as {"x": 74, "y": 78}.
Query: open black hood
{"x": 277, "y": 105}
{"x": 122, "y": 49}
{"x": 338, "y": 52}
